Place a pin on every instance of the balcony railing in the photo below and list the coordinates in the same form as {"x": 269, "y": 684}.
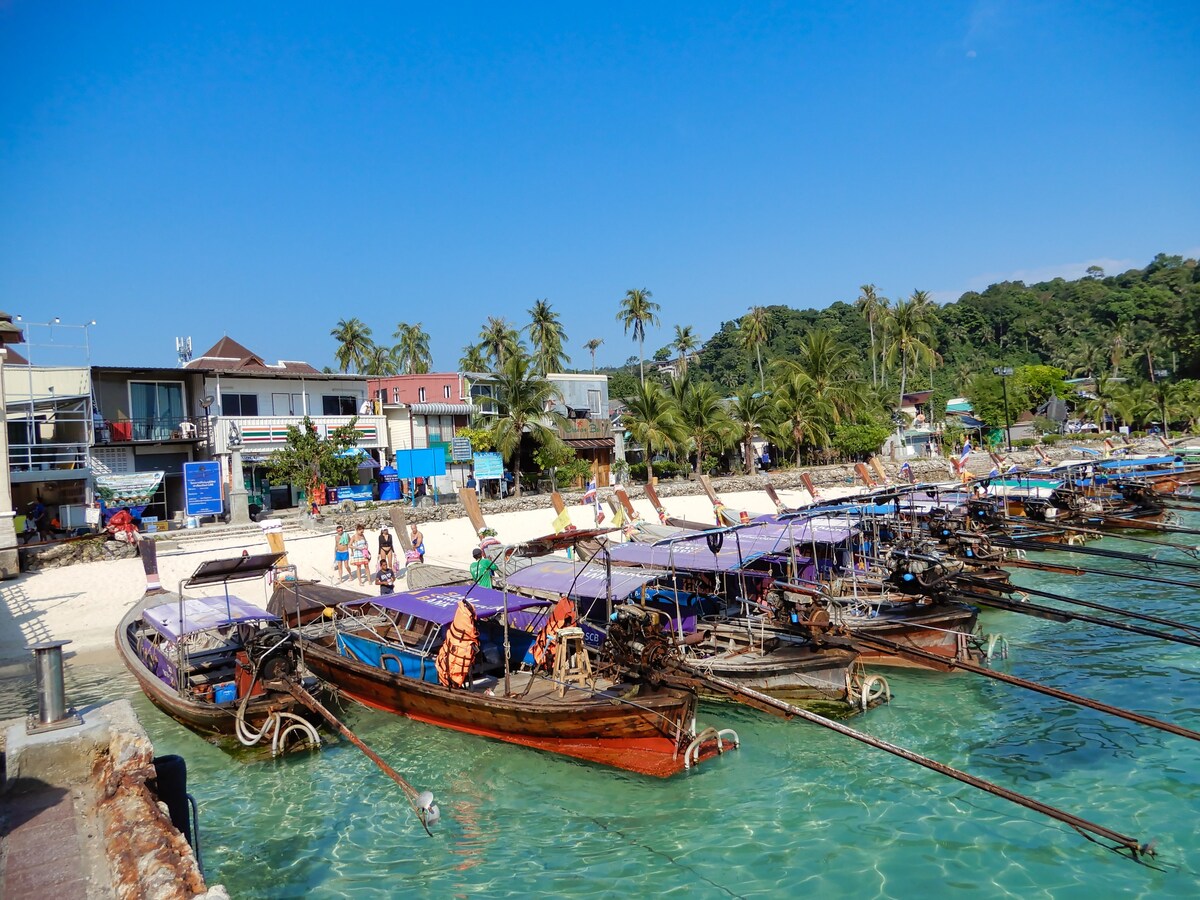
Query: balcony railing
{"x": 42, "y": 457}
{"x": 151, "y": 428}
{"x": 270, "y": 432}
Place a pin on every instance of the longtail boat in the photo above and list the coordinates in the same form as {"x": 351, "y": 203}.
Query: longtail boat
{"x": 388, "y": 653}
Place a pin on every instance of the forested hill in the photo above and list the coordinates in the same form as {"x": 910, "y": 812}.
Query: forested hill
{"x": 1098, "y": 323}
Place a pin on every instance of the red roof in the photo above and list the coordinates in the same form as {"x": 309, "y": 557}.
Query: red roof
{"x": 228, "y": 355}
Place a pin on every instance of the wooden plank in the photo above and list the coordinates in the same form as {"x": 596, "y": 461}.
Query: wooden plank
{"x": 399, "y": 523}
{"x": 470, "y": 502}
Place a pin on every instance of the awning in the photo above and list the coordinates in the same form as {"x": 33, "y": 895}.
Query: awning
{"x": 437, "y": 604}
{"x": 589, "y": 443}
{"x": 583, "y": 580}
{"x": 202, "y": 614}
{"x": 442, "y": 409}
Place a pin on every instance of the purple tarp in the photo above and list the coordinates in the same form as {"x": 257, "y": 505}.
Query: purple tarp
{"x": 202, "y": 614}
{"x": 692, "y": 555}
{"x": 576, "y": 579}
{"x": 437, "y": 604}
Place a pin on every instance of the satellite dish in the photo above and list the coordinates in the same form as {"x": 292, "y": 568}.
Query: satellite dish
{"x": 207, "y": 401}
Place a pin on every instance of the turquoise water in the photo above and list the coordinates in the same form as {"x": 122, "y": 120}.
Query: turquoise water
{"x": 798, "y": 808}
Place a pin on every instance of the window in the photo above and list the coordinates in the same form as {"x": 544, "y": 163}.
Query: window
{"x": 156, "y": 408}
{"x": 382, "y": 394}
{"x": 239, "y": 404}
{"x": 446, "y": 392}
{"x": 420, "y": 395}
{"x": 594, "y": 402}
{"x": 395, "y": 395}
{"x": 338, "y": 405}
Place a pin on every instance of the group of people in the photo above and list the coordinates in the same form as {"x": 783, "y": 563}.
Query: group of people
{"x": 352, "y": 556}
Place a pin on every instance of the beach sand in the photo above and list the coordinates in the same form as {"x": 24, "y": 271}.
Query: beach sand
{"x": 83, "y": 603}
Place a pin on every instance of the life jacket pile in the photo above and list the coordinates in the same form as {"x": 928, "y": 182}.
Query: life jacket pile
{"x": 457, "y": 655}
{"x": 562, "y": 616}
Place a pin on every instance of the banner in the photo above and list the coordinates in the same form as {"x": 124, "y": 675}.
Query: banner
{"x": 136, "y": 489}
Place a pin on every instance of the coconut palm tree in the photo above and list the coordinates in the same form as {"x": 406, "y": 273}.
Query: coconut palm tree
{"x": 753, "y": 332}
{"x": 499, "y": 341}
{"x": 909, "y": 341}
{"x": 701, "y": 415}
{"x": 651, "y": 419}
{"x": 523, "y": 403}
{"x": 473, "y": 359}
{"x": 592, "y": 346}
{"x": 412, "y": 349}
{"x": 802, "y": 413}
{"x": 380, "y": 362}
{"x": 872, "y": 306}
{"x": 750, "y": 412}
{"x": 638, "y": 311}
{"x": 354, "y": 344}
{"x": 830, "y": 367}
{"x": 548, "y": 338}
{"x": 685, "y": 342}
{"x": 925, "y": 309}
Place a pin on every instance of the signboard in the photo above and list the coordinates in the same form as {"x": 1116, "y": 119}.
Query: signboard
{"x": 460, "y": 449}
{"x": 489, "y": 465}
{"x": 420, "y": 463}
{"x": 202, "y": 489}
{"x": 360, "y": 493}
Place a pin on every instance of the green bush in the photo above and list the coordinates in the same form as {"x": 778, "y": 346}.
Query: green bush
{"x": 1026, "y": 443}
{"x": 663, "y": 469}
{"x": 571, "y": 473}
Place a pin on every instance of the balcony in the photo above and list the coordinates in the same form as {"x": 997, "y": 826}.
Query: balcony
{"x": 266, "y": 433}
{"x": 48, "y": 461}
{"x": 151, "y": 429}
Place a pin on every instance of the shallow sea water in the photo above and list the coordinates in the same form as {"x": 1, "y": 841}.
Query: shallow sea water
{"x": 796, "y": 809}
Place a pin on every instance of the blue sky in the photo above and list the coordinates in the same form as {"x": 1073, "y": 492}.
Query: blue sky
{"x": 263, "y": 170}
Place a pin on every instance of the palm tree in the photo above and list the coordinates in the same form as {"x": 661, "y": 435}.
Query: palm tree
{"x": 753, "y": 333}
{"x": 523, "y": 403}
{"x": 380, "y": 362}
{"x": 923, "y": 303}
{"x": 548, "y": 338}
{"x": 650, "y": 417}
{"x": 871, "y": 305}
{"x": 473, "y": 359}
{"x": 500, "y": 341}
{"x": 830, "y": 367}
{"x": 750, "y": 412}
{"x": 803, "y": 414}
{"x": 354, "y": 344}
{"x": 592, "y": 346}
{"x": 701, "y": 415}
{"x": 638, "y": 311}
{"x": 909, "y": 332}
{"x": 685, "y": 342}
{"x": 412, "y": 349}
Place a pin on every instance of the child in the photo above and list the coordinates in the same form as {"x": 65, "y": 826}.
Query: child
{"x": 385, "y": 578}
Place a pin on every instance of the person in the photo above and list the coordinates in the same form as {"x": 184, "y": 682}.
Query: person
{"x": 471, "y": 483}
{"x": 341, "y": 553}
{"x": 482, "y": 568}
{"x": 385, "y": 578}
{"x": 418, "y": 542}
{"x": 360, "y": 555}
{"x": 387, "y": 550}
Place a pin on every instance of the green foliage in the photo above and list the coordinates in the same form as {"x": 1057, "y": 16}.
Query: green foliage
{"x": 986, "y": 393}
{"x": 622, "y": 384}
{"x": 663, "y": 468}
{"x": 859, "y": 441}
{"x": 481, "y": 438}
{"x": 1039, "y": 382}
{"x": 552, "y": 456}
{"x": 310, "y": 460}
{"x": 573, "y": 472}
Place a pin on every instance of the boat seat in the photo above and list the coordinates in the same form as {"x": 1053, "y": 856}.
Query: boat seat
{"x": 572, "y": 665}
{"x": 212, "y": 676}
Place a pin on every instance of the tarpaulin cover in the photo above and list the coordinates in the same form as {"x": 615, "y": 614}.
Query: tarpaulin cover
{"x": 131, "y": 489}
{"x": 575, "y": 579}
{"x": 437, "y": 604}
{"x": 202, "y": 614}
{"x": 690, "y": 555}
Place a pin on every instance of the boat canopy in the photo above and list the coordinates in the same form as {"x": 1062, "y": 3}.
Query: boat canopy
{"x": 691, "y": 555}
{"x": 437, "y": 604}
{"x": 195, "y": 614}
{"x": 585, "y": 581}
{"x": 234, "y": 568}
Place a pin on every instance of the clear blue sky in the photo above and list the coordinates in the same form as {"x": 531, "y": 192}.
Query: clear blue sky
{"x": 263, "y": 169}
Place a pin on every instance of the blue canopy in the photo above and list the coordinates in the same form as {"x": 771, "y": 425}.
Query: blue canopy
{"x": 202, "y": 614}
{"x": 437, "y": 604}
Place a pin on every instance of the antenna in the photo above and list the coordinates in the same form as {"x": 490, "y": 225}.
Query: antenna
{"x": 183, "y": 349}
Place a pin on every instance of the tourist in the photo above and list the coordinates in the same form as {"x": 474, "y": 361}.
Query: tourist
{"x": 360, "y": 555}
{"x": 418, "y": 542}
{"x": 482, "y": 568}
{"x": 385, "y": 578}
{"x": 387, "y": 550}
{"x": 341, "y": 554}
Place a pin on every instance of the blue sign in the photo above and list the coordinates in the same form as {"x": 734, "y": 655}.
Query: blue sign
{"x": 488, "y": 465}
{"x": 360, "y": 493}
{"x": 202, "y": 489}
{"x": 420, "y": 463}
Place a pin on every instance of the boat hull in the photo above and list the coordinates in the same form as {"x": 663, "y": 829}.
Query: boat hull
{"x": 938, "y": 630}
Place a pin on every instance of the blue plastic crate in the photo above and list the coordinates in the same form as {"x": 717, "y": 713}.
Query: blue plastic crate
{"x": 225, "y": 693}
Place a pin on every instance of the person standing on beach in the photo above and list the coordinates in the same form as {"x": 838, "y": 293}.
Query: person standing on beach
{"x": 387, "y": 550}
{"x": 418, "y": 542}
{"x": 385, "y": 578}
{"x": 360, "y": 555}
{"x": 341, "y": 554}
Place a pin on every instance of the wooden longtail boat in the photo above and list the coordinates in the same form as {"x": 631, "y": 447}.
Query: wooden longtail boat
{"x": 381, "y": 651}
{"x": 216, "y": 663}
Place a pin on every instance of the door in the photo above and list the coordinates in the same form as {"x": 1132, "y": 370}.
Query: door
{"x": 281, "y": 404}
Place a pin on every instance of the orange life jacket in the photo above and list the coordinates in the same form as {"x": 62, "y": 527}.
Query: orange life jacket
{"x": 457, "y": 655}
{"x": 562, "y": 616}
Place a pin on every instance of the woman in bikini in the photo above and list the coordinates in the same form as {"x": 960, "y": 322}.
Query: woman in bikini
{"x": 341, "y": 554}
{"x": 360, "y": 555}
{"x": 387, "y": 551}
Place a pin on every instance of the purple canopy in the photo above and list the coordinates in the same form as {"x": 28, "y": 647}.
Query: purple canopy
{"x": 691, "y": 555}
{"x": 437, "y": 604}
{"x": 575, "y": 579}
{"x": 202, "y": 614}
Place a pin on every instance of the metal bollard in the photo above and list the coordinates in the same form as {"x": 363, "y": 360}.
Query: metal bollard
{"x": 52, "y": 699}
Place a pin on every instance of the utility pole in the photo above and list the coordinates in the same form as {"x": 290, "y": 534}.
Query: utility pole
{"x": 1005, "y": 372}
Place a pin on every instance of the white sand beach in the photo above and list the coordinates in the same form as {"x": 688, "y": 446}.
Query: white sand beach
{"x": 83, "y": 603}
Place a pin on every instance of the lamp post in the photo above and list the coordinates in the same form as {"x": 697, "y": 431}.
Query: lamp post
{"x": 1005, "y": 372}
{"x": 1160, "y": 375}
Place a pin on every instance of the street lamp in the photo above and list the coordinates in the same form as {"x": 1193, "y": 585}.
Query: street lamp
{"x": 1005, "y": 372}
{"x": 1160, "y": 374}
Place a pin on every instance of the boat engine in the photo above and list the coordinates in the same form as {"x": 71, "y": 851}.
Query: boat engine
{"x": 636, "y": 642}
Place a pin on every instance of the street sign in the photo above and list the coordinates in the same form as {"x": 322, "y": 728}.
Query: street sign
{"x": 460, "y": 449}
{"x": 202, "y": 489}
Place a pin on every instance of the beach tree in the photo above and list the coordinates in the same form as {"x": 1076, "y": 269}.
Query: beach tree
{"x": 313, "y": 461}
{"x": 753, "y": 332}
{"x": 474, "y": 359}
{"x": 685, "y": 342}
{"x": 592, "y": 346}
{"x": 909, "y": 338}
{"x": 651, "y": 418}
{"x": 871, "y": 305}
{"x": 500, "y": 341}
{"x": 380, "y": 361}
{"x": 547, "y": 337}
{"x": 638, "y": 311}
{"x": 701, "y": 416}
{"x": 524, "y": 404}
{"x": 412, "y": 349}
{"x": 354, "y": 344}
{"x": 751, "y": 412}
{"x": 802, "y": 413}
